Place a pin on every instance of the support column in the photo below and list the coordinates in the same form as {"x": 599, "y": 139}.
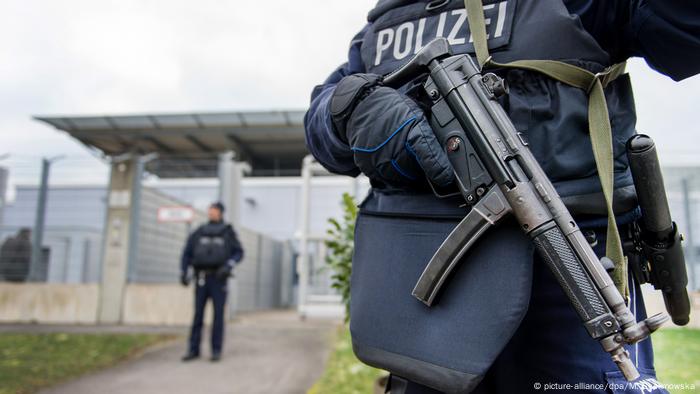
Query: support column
{"x": 122, "y": 209}
{"x": 39, "y": 220}
{"x": 135, "y": 216}
{"x": 231, "y": 174}
{"x": 226, "y": 182}
{"x": 4, "y": 174}
{"x": 303, "y": 235}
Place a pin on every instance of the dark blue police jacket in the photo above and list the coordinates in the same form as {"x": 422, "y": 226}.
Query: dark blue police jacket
{"x": 397, "y": 231}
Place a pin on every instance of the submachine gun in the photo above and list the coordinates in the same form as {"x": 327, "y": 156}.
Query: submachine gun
{"x": 497, "y": 175}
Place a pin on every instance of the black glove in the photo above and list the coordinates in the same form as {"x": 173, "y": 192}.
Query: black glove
{"x": 184, "y": 279}
{"x": 223, "y": 272}
{"x": 392, "y": 141}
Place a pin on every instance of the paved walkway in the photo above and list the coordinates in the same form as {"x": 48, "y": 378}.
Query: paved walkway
{"x": 272, "y": 352}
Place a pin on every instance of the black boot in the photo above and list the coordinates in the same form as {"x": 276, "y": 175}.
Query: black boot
{"x": 190, "y": 356}
{"x": 216, "y": 356}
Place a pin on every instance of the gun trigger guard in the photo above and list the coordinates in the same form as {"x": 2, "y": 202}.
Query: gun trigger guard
{"x": 437, "y": 194}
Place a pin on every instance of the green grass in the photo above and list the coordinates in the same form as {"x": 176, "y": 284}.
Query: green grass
{"x": 29, "y": 362}
{"x": 677, "y": 353}
{"x": 677, "y": 357}
{"x": 344, "y": 373}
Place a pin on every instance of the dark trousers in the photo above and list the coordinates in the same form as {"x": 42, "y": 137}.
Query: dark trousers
{"x": 207, "y": 286}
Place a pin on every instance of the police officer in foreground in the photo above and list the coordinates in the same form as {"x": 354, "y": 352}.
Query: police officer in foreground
{"x": 211, "y": 251}
{"x": 356, "y": 125}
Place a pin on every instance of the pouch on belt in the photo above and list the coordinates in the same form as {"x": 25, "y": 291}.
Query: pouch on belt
{"x": 452, "y": 344}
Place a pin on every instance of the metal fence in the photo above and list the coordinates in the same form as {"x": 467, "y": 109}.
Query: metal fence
{"x": 158, "y": 245}
{"x": 72, "y": 240}
{"x": 67, "y": 245}
{"x": 683, "y": 188}
{"x": 264, "y": 279}
{"x": 73, "y": 227}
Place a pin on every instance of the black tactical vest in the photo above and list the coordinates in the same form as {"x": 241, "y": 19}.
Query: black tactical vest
{"x": 212, "y": 247}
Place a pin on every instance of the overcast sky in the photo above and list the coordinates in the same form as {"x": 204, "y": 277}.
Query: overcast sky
{"x": 86, "y": 57}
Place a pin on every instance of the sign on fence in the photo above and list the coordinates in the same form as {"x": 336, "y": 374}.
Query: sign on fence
{"x": 175, "y": 214}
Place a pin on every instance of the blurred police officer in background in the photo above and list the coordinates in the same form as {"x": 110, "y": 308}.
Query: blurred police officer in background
{"x": 356, "y": 125}
{"x": 211, "y": 251}
{"x": 15, "y": 256}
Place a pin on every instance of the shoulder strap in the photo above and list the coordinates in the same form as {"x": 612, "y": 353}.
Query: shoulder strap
{"x": 598, "y": 120}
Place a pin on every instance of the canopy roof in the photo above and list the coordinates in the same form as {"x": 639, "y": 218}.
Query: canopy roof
{"x": 189, "y": 144}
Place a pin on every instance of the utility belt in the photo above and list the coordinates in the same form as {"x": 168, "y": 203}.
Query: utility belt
{"x": 204, "y": 272}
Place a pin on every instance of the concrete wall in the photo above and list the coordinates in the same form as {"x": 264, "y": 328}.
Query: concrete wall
{"x": 48, "y": 303}
{"x": 147, "y": 304}
{"x": 159, "y": 304}
{"x": 164, "y": 304}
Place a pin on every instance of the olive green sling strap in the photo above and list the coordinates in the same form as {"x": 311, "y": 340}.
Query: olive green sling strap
{"x": 598, "y": 120}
